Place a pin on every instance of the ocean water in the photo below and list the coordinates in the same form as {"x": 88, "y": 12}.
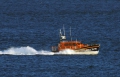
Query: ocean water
{"x": 30, "y": 27}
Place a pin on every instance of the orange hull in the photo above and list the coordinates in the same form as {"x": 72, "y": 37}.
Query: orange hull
{"x": 74, "y": 45}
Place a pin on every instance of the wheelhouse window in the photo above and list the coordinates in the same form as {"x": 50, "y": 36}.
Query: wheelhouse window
{"x": 66, "y": 44}
{"x": 74, "y": 44}
{"x": 70, "y": 44}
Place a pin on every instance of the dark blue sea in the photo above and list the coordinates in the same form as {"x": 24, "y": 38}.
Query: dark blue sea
{"x": 32, "y": 26}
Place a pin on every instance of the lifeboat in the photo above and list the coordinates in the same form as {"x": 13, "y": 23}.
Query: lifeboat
{"x": 76, "y": 46}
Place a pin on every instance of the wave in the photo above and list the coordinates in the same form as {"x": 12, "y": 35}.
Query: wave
{"x": 31, "y": 51}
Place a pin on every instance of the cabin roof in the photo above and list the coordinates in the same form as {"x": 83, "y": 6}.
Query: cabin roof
{"x": 70, "y": 42}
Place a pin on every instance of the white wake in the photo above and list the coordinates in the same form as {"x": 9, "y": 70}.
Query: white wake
{"x": 19, "y": 51}
{"x": 31, "y": 51}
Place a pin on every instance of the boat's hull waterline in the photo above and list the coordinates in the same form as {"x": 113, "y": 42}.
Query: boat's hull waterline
{"x": 77, "y": 52}
{"x": 86, "y": 52}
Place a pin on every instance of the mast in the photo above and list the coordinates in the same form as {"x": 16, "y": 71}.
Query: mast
{"x": 60, "y": 33}
{"x": 62, "y": 37}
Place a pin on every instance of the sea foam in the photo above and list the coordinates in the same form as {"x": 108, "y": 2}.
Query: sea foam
{"x": 31, "y": 51}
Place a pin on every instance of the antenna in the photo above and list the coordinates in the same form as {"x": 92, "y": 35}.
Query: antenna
{"x": 76, "y": 40}
{"x": 70, "y": 30}
{"x": 70, "y": 33}
{"x": 64, "y": 29}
